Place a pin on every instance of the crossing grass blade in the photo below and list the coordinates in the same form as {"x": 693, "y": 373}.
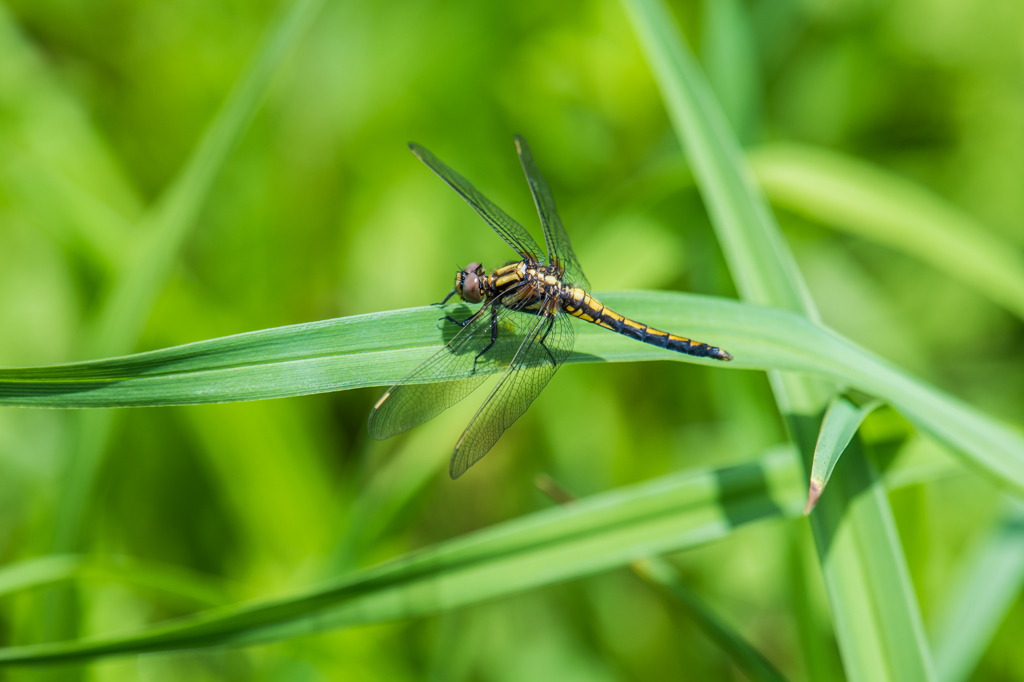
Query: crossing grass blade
{"x": 842, "y": 419}
{"x": 754, "y": 665}
{"x": 865, "y": 572}
{"x": 390, "y": 490}
{"x": 984, "y": 592}
{"x": 380, "y": 348}
{"x": 729, "y": 54}
{"x": 162, "y": 231}
{"x": 167, "y": 224}
{"x": 660, "y": 573}
{"x": 48, "y": 136}
{"x": 883, "y": 207}
{"x": 169, "y": 580}
{"x": 598, "y": 533}
{"x": 758, "y": 257}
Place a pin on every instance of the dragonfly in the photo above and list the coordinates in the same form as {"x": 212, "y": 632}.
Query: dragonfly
{"x": 522, "y": 329}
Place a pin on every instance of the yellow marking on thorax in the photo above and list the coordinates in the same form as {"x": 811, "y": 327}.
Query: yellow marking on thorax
{"x": 505, "y": 269}
{"x": 508, "y": 274}
{"x": 504, "y": 280}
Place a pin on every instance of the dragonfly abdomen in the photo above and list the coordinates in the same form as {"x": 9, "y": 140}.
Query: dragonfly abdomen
{"x": 580, "y": 304}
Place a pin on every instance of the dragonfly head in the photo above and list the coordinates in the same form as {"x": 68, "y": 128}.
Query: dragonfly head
{"x": 467, "y": 283}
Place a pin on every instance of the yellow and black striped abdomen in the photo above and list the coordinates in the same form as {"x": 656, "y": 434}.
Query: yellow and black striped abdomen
{"x": 580, "y": 304}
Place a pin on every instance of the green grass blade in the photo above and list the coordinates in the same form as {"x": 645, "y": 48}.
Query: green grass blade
{"x": 869, "y": 614}
{"x": 71, "y": 215}
{"x": 842, "y": 419}
{"x": 380, "y": 348}
{"x": 663, "y": 575}
{"x": 754, "y": 665}
{"x": 29, "y": 573}
{"x": 883, "y": 638}
{"x": 595, "y": 534}
{"x": 163, "y": 231}
{"x": 390, "y": 491}
{"x": 984, "y": 592}
{"x": 168, "y": 223}
{"x": 886, "y": 208}
{"x": 759, "y": 259}
{"x": 43, "y": 119}
{"x": 729, "y": 53}
{"x": 160, "y": 236}
{"x": 170, "y": 580}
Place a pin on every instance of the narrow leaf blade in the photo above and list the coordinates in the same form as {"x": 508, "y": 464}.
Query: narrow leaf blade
{"x": 842, "y": 419}
{"x": 880, "y": 206}
{"x": 765, "y": 271}
{"x": 595, "y": 534}
{"x": 741, "y": 652}
{"x": 982, "y": 594}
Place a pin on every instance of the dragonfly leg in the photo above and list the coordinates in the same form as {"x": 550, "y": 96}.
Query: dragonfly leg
{"x": 494, "y": 335}
{"x": 551, "y": 323}
{"x": 445, "y": 300}
{"x": 461, "y": 323}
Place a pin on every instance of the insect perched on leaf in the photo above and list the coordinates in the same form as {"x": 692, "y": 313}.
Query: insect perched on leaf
{"x": 523, "y": 326}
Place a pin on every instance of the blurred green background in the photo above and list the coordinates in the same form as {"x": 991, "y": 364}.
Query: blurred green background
{"x": 321, "y": 211}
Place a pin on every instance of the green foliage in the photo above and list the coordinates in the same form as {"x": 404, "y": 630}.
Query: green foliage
{"x": 176, "y": 175}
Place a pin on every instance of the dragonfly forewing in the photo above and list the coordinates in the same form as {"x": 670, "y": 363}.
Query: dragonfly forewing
{"x": 514, "y": 234}
{"x": 560, "y": 251}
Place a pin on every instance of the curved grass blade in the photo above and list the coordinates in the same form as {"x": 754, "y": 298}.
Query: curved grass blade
{"x": 171, "y": 580}
{"x": 984, "y": 592}
{"x": 379, "y": 348}
{"x": 595, "y": 534}
{"x": 759, "y": 259}
{"x": 877, "y": 606}
{"x": 842, "y": 419}
{"x": 869, "y": 202}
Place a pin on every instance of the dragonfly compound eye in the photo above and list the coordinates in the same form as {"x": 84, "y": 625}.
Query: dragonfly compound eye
{"x": 470, "y": 288}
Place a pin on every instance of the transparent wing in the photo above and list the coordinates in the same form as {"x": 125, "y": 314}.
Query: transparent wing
{"x": 544, "y": 348}
{"x": 448, "y": 376}
{"x": 560, "y": 251}
{"x": 512, "y": 232}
